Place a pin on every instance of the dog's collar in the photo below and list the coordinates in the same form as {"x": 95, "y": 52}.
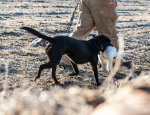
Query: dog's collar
{"x": 107, "y": 58}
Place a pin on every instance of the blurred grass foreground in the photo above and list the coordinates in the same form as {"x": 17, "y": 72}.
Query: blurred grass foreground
{"x": 131, "y": 98}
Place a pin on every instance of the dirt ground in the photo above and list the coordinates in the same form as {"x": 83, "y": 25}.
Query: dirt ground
{"x": 51, "y": 18}
{"x": 19, "y": 62}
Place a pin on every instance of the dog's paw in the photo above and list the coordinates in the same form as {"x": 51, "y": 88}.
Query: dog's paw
{"x": 57, "y": 83}
{"x": 98, "y": 84}
{"x": 72, "y": 74}
{"x": 60, "y": 84}
{"x": 35, "y": 78}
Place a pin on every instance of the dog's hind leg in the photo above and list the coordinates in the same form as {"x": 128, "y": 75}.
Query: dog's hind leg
{"x": 76, "y": 71}
{"x": 50, "y": 64}
{"x": 42, "y": 67}
{"x": 54, "y": 60}
{"x": 54, "y": 75}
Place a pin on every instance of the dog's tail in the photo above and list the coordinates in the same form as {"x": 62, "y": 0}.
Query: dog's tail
{"x": 38, "y": 34}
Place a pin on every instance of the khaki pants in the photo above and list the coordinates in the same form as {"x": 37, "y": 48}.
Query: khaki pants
{"x": 95, "y": 14}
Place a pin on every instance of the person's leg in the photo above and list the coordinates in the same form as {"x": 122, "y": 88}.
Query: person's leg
{"x": 84, "y": 26}
{"x": 114, "y": 41}
{"x": 105, "y": 19}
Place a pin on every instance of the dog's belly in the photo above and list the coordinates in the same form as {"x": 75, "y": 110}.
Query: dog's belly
{"x": 80, "y": 53}
{"x": 79, "y": 59}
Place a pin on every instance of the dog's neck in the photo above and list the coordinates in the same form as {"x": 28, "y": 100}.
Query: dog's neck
{"x": 107, "y": 58}
{"x": 103, "y": 48}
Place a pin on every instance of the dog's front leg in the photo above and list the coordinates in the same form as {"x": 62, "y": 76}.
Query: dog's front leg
{"x": 96, "y": 74}
{"x": 76, "y": 71}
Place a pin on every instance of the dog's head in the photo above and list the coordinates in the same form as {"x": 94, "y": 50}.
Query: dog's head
{"x": 103, "y": 41}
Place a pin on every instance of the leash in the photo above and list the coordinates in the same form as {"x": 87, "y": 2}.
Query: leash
{"x": 71, "y": 20}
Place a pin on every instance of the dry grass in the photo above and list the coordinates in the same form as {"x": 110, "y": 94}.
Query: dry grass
{"x": 19, "y": 62}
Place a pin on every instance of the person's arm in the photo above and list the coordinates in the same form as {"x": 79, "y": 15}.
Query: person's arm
{"x": 113, "y": 4}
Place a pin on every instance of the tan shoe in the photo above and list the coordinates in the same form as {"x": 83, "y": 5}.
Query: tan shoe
{"x": 38, "y": 41}
{"x": 125, "y": 66}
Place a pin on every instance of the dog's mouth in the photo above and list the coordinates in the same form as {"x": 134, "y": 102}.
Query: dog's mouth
{"x": 104, "y": 46}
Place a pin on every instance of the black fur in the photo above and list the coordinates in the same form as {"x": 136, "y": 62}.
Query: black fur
{"x": 79, "y": 51}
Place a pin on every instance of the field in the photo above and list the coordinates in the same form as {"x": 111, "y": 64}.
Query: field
{"x": 19, "y": 62}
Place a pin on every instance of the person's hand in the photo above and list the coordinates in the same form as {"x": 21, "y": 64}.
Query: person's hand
{"x": 113, "y": 4}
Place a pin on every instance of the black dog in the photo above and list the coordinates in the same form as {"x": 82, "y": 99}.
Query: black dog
{"x": 79, "y": 51}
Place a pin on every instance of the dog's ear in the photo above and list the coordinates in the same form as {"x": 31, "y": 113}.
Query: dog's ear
{"x": 105, "y": 42}
{"x": 105, "y": 38}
